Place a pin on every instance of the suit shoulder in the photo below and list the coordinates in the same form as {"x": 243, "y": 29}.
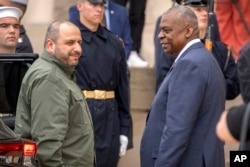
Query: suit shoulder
{"x": 199, "y": 55}
{"x": 118, "y": 7}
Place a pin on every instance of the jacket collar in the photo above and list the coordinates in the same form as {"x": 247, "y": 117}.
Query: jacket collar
{"x": 88, "y": 35}
{"x": 186, "y": 47}
{"x": 69, "y": 71}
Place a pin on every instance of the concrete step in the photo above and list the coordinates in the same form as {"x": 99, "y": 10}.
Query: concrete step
{"x": 142, "y": 88}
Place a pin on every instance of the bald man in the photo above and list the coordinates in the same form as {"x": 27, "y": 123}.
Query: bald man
{"x": 180, "y": 129}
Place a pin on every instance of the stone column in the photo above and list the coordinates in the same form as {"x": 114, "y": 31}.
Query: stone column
{"x": 39, "y": 12}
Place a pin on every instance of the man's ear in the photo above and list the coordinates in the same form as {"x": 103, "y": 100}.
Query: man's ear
{"x": 189, "y": 31}
{"x": 50, "y": 46}
{"x": 79, "y": 5}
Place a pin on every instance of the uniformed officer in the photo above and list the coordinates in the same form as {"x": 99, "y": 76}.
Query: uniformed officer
{"x": 101, "y": 74}
{"x": 9, "y": 33}
{"x": 219, "y": 50}
{"x": 9, "y": 21}
{"x": 13, "y": 72}
{"x": 24, "y": 45}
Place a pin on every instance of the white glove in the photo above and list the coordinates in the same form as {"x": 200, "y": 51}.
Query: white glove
{"x": 124, "y": 144}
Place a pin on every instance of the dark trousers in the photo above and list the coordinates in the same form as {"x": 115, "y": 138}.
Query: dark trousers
{"x": 136, "y": 19}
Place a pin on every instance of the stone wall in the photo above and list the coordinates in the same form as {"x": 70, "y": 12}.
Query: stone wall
{"x": 61, "y": 8}
{"x": 39, "y": 12}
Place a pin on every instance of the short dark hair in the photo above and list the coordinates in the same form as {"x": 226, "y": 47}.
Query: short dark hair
{"x": 53, "y": 30}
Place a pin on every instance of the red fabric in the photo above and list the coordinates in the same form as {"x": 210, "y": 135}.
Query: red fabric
{"x": 231, "y": 26}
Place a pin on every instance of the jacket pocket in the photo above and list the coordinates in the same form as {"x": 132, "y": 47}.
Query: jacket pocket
{"x": 79, "y": 115}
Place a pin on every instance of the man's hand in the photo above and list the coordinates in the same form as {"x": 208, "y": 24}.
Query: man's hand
{"x": 124, "y": 144}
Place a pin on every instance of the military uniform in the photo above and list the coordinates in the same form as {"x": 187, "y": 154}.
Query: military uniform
{"x": 228, "y": 67}
{"x": 14, "y": 72}
{"x": 101, "y": 74}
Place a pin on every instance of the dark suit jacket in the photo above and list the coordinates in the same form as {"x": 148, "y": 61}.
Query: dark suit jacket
{"x": 119, "y": 23}
{"x": 180, "y": 129}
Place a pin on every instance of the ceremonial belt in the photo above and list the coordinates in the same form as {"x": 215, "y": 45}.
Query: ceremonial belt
{"x": 98, "y": 94}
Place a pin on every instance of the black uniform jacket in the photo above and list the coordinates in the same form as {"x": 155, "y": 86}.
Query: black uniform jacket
{"x": 102, "y": 66}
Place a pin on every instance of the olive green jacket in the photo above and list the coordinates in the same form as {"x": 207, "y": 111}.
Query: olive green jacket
{"x": 52, "y": 111}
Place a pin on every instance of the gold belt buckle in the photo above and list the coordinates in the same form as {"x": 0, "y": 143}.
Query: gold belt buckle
{"x": 100, "y": 94}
